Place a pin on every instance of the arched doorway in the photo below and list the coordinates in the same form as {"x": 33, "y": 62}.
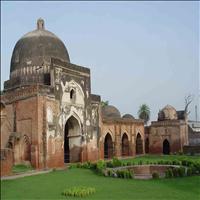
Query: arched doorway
{"x": 72, "y": 141}
{"x": 108, "y": 146}
{"x": 139, "y": 144}
{"x": 125, "y": 145}
{"x": 147, "y": 145}
{"x": 166, "y": 147}
{"x": 26, "y": 148}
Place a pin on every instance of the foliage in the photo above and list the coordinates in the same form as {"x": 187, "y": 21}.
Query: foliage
{"x": 181, "y": 171}
{"x": 124, "y": 173}
{"x": 144, "y": 113}
{"x": 101, "y": 165}
{"x": 189, "y": 171}
{"x": 104, "y": 103}
{"x": 155, "y": 175}
{"x": 169, "y": 173}
{"x": 79, "y": 191}
{"x": 20, "y": 168}
{"x": 116, "y": 162}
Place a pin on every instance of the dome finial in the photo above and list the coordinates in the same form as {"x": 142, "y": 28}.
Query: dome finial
{"x": 40, "y": 24}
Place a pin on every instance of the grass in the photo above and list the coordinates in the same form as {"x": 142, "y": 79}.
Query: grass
{"x": 51, "y": 186}
{"x": 21, "y": 168}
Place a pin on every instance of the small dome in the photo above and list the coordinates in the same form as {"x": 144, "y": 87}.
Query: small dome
{"x": 110, "y": 112}
{"x": 128, "y": 116}
{"x": 37, "y": 48}
{"x": 167, "y": 113}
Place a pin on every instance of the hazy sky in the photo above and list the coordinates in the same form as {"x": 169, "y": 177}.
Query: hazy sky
{"x": 138, "y": 52}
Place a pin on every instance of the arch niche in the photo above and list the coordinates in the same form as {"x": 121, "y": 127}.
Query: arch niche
{"x": 108, "y": 146}
{"x": 125, "y": 145}
{"x": 139, "y": 144}
{"x": 147, "y": 145}
{"x": 72, "y": 141}
{"x": 26, "y": 149}
{"x": 166, "y": 147}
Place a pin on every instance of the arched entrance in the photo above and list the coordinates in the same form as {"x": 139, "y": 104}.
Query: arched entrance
{"x": 27, "y": 149}
{"x": 108, "y": 146}
{"x": 147, "y": 145}
{"x": 166, "y": 147}
{"x": 125, "y": 145}
{"x": 139, "y": 144}
{"x": 72, "y": 141}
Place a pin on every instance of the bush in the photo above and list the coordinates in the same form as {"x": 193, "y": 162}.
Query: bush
{"x": 181, "y": 171}
{"x": 116, "y": 162}
{"x": 168, "y": 173}
{"x": 176, "y": 162}
{"x": 101, "y": 165}
{"x": 93, "y": 166}
{"x": 109, "y": 164}
{"x": 72, "y": 165}
{"x": 79, "y": 191}
{"x": 155, "y": 175}
{"x": 175, "y": 172}
{"x": 124, "y": 174}
{"x": 189, "y": 171}
{"x": 140, "y": 162}
{"x": 180, "y": 153}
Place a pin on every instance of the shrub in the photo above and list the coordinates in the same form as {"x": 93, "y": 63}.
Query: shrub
{"x": 176, "y": 162}
{"x": 181, "y": 171}
{"x": 85, "y": 165}
{"x": 169, "y": 173}
{"x": 128, "y": 163}
{"x": 116, "y": 162}
{"x": 72, "y": 165}
{"x": 155, "y": 175}
{"x": 109, "y": 164}
{"x": 124, "y": 174}
{"x": 79, "y": 191}
{"x": 93, "y": 166}
{"x": 140, "y": 162}
{"x": 189, "y": 171}
{"x": 180, "y": 153}
{"x": 175, "y": 172}
{"x": 101, "y": 165}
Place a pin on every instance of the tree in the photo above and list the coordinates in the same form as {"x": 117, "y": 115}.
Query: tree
{"x": 104, "y": 103}
{"x": 188, "y": 100}
{"x": 144, "y": 113}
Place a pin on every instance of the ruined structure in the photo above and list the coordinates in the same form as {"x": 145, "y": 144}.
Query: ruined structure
{"x": 170, "y": 133}
{"x": 49, "y": 116}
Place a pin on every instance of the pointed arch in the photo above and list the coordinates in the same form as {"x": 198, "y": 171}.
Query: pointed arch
{"x": 72, "y": 140}
{"x": 147, "y": 145}
{"x": 125, "y": 145}
{"x": 26, "y": 148}
{"x": 108, "y": 146}
{"x": 139, "y": 144}
{"x": 166, "y": 147}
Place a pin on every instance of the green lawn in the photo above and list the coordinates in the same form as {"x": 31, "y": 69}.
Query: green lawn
{"x": 51, "y": 185}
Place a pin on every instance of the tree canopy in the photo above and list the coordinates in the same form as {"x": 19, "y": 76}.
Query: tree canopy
{"x": 144, "y": 113}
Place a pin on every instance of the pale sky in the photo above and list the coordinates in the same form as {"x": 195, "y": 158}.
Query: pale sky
{"x": 138, "y": 52}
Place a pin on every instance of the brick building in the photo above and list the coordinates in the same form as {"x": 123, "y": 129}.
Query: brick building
{"x": 49, "y": 116}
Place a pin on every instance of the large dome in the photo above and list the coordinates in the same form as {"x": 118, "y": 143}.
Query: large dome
{"x": 167, "y": 113}
{"x": 37, "y": 47}
{"x": 110, "y": 112}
